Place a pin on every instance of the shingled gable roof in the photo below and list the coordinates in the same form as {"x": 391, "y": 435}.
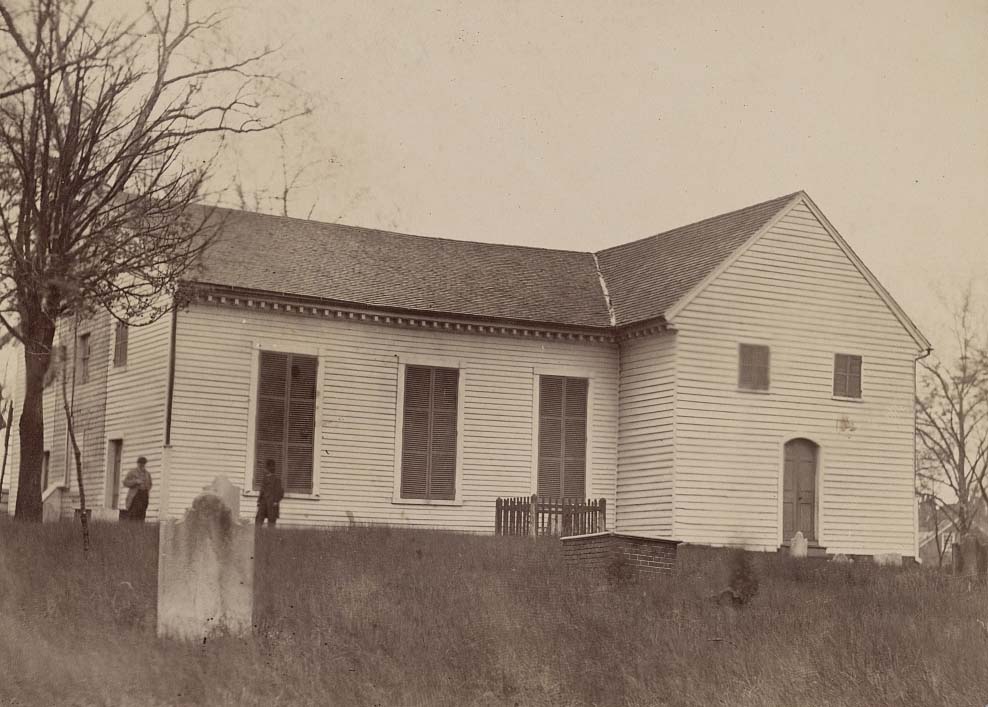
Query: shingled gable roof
{"x": 647, "y": 277}
{"x": 393, "y": 271}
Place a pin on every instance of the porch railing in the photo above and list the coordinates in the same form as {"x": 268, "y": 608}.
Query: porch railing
{"x": 544, "y": 515}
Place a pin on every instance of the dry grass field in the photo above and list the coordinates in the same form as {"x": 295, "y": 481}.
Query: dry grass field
{"x": 376, "y": 616}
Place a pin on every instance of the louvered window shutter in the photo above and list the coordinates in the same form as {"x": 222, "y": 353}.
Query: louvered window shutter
{"x": 428, "y": 455}
{"x": 120, "y": 344}
{"x": 286, "y": 416}
{"x": 562, "y": 437}
{"x": 753, "y": 367}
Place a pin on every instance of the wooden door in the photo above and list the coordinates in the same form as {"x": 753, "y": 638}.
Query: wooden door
{"x": 799, "y": 489}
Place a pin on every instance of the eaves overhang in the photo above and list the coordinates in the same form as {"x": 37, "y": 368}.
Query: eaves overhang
{"x": 286, "y": 302}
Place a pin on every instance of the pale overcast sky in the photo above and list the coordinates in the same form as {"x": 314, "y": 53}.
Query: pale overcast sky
{"x": 582, "y": 125}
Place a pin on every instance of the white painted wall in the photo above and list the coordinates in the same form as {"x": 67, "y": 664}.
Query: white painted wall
{"x": 359, "y": 372}
{"x": 646, "y": 435}
{"x": 89, "y": 405}
{"x": 118, "y": 403}
{"x": 135, "y": 409}
{"x": 797, "y": 292}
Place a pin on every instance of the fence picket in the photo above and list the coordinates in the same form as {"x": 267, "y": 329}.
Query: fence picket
{"x": 545, "y": 515}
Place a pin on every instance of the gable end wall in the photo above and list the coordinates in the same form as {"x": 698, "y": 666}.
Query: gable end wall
{"x": 797, "y": 292}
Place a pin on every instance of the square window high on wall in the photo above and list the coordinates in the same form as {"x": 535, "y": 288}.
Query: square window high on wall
{"x": 753, "y": 367}
{"x": 847, "y": 376}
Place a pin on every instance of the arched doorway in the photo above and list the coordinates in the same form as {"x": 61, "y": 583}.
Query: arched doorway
{"x": 799, "y": 489}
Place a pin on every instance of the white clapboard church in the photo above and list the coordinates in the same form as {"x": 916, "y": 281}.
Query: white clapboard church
{"x": 728, "y": 382}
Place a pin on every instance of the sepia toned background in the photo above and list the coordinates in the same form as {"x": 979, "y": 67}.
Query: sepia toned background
{"x": 582, "y": 125}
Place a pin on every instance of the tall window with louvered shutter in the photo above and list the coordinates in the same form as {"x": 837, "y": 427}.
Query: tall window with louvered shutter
{"x": 286, "y": 418}
{"x": 562, "y": 437}
{"x": 83, "y": 352}
{"x": 120, "y": 345}
{"x": 428, "y": 442}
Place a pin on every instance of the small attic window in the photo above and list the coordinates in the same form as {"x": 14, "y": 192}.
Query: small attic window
{"x": 753, "y": 367}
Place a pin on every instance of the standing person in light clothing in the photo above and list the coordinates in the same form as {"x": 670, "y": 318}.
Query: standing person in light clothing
{"x": 138, "y": 483}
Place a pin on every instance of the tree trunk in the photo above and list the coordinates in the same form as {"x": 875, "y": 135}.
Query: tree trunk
{"x": 37, "y": 354}
{"x": 8, "y": 420}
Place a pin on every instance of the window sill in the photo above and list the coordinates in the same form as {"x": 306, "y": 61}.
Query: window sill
{"x": 287, "y": 496}
{"x": 425, "y": 502}
{"x": 756, "y": 391}
{"x": 845, "y": 399}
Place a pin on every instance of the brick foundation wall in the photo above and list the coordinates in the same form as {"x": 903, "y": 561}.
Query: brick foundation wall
{"x": 648, "y": 556}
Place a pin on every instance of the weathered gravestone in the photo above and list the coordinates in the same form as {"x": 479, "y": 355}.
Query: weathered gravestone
{"x": 970, "y": 557}
{"x": 798, "y": 546}
{"x": 888, "y": 559}
{"x": 206, "y": 568}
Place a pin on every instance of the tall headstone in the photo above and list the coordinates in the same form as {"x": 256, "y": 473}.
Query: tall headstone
{"x": 970, "y": 557}
{"x": 798, "y": 546}
{"x": 206, "y": 569}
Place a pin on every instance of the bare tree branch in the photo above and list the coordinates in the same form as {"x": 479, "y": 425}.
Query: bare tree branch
{"x": 952, "y": 423}
{"x": 98, "y": 188}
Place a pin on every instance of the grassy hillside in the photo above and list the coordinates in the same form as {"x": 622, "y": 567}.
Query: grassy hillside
{"x": 373, "y": 616}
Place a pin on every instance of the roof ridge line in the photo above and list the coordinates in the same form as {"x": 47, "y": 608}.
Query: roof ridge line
{"x": 603, "y": 287}
{"x": 369, "y": 229}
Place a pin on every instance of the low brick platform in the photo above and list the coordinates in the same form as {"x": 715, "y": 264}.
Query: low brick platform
{"x": 596, "y": 551}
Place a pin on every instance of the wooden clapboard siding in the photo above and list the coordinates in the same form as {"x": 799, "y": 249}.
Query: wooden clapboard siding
{"x": 116, "y": 403}
{"x": 797, "y": 292}
{"x": 135, "y": 410}
{"x": 89, "y": 406}
{"x": 645, "y": 439}
{"x": 358, "y": 370}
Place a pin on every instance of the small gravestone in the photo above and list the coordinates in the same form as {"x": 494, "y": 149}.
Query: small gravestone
{"x": 970, "y": 557}
{"x": 888, "y": 559}
{"x": 206, "y": 569}
{"x": 798, "y": 547}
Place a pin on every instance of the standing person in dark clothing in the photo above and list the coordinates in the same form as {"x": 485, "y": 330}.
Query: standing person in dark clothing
{"x": 138, "y": 483}
{"x": 271, "y": 495}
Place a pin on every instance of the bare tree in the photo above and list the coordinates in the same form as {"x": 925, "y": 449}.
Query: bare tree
{"x": 302, "y": 167}
{"x": 97, "y": 119}
{"x": 68, "y": 407}
{"x": 952, "y": 424}
{"x": 7, "y": 415}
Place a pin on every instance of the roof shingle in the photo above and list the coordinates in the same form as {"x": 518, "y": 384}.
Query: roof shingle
{"x": 349, "y": 264}
{"x": 396, "y": 271}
